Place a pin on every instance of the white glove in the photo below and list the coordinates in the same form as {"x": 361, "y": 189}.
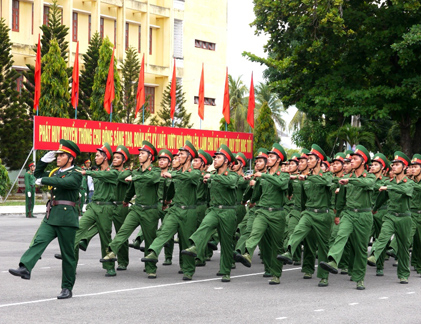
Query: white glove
{"x": 29, "y": 194}
{"x": 38, "y": 182}
{"x": 49, "y": 157}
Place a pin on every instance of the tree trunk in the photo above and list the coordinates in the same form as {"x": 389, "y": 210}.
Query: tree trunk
{"x": 406, "y": 140}
{"x": 416, "y": 143}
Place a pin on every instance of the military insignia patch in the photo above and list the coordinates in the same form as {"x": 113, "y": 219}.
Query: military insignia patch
{"x": 226, "y": 173}
{"x": 190, "y": 170}
{"x": 278, "y": 173}
{"x": 364, "y": 175}
{"x": 405, "y": 180}
{"x": 320, "y": 174}
{"x": 150, "y": 168}
{"x": 119, "y": 149}
{"x": 396, "y": 157}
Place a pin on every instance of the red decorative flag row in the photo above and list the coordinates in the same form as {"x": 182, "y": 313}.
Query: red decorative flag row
{"x": 37, "y": 76}
{"x": 109, "y": 89}
{"x": 250, "y": 112}
{"x": 140, "y": 95}
{"x": 202, "y": 95}
{"x": 226, "y": 105}
{"x": 75, "y": 78}
{"x": 173, "y": 91}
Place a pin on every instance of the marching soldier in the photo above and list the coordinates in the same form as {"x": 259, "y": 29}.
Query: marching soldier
{"x": 353, "y": 209}
{"x": 397, "y": 192}
{"x": 315, "y": 217}
{"x": 30, "y": 191}
{"x": 221, "y": 212}
{"x": 416, "y": 213}
{"x": 61, "y": 219}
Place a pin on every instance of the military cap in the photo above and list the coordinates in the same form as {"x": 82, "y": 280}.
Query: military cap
{"x": 224, "y": 150}
{"x": 416, "y": 159}
{"x": 106, "y": 148}
{"x": 148, "y": 147}
{"x": 164, "y": 153}
{"x": 382, "y": 159}
{"x": 205, "y": 156}
{"x": 363, "y": 152}
{"x": 189, "y": 147}
{"x": 295, "y": 157}
{"x": 67, "y": 146}
{"x": 327, "y": 162}
{"x": 279, "y": 151}
{"x": 123, "y": 151}
{"x": 261, "y": 153}
{"x": 304, "y": 154}
{"x": 88, "y": 160}
{"x": 242, "y": 158}
{"x": 401, "y": 157}
{"x": 317, "y": 151}
{"x": 348, "y": 154}
{"x": 339, "y": 157}
{"x": 31, "y": 164}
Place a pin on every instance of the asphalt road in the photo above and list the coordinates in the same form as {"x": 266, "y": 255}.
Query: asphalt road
{"x": 131, "y": 297}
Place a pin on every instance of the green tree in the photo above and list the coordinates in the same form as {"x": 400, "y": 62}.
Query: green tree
{"x": 15, "y": 139}
{"x": 230, "y": 126}
{"x": 238, "y": 103}
{"x": 100, "y": 81}
{"x": 55, "y": 95}
{"x": 163, "y": 116}
{"x": 297, "y": 121}
{"x": 265, "y": 94}
{"x": 4, "y": 180}
{"x": 90, "y": 62}
{"x": 264, "y": 134}
{"x": 348, "y": 134}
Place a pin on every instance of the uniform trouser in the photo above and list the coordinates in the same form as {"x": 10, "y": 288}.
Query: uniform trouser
{"x": 393, "y": 243}
{"x": 240, "y": 247}
{"x": 66, "y": 239}
{"x": 293, "y": 218}
{"x": 148, "y": 220}
{"x": 344, "y": 263}
{"x": 102, "y": 217}
{"x": 201, "y": 212}
{"x": 377, "y": 226}
{"x": 272, "y": 223}
{"x": 416, "y": 245}
{"x": 354, "y": 228}
{"x": 119, "y": 215}
{"x": 224, "y": 221}
{"x": 184, "y": 222}
{"x": 29, "y": 202}
{"x": 320, "y": 225}
{"x": 243, "y": 225}
{"x": 401, "y": 227}
{"x": 309, "y": 253}
{"x": 240, "y": 212}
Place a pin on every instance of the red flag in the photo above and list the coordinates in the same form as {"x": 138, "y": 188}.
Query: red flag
{"x": 250, "y": 112}
{"x": 140, "y": 95}
{"x": 37, "y": 76}
{"x": 226, "y": 106}
{"x": 202, "y": 95}
{"x": 173, "y": 91}
{"x": 109, "y": 89}
{"x": 75, "y": 77}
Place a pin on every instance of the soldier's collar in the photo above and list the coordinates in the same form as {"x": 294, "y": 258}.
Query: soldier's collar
{"x": 64, "y": 170}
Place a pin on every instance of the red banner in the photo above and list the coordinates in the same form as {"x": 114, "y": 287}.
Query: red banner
{"x": 89, "y": 135}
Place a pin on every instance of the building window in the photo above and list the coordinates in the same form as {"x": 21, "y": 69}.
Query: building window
{"x": 178, "y": 39}
{"x": 101, "y": 28}
{"x": 32, "y": 28}
{"x": 89, "y": 28}
{"x": 15, "y": 15}
{"x": 115, "y": 33}
{"x": 205, "y": 45}
{"x": 139, "y": 40}
{"x": 46, "y": 15}
{"x": 150, "y": 97}
{"x": 127, "y": 36}
{"x": 19, "y": 83}
{"x": 150, "y": 41}
{"x": 208, "y": 101}
{"x": 74, "y": 26}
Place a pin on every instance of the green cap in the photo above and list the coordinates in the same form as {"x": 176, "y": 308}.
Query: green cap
{"x": 348, "y": 154}
{"x": 261, "y": 153}
{"x": 382, "y": 159}
{"x": 279, "y": 151}
{"x": 123, "y": 151}
{"x": 304, "y": 154}
{"x": 242, "y": 158}
{"x": 188, "y": 146}
{"x": 205, "y": 156}
{"x": 106, "y": 148}
{"x": 401, "y": 157}
{"x": 295, "y": 157}
{"x": 148, "y": 147}
{"x": 164, "y": 153}
{"x": 363, "y": 152}
{"x": 416, "y": 159}
{"x": 67, "y": 146}
{"x": 224, "y": 150}
{"x": 339, "y": 157}
{"x": 317, "y": 151}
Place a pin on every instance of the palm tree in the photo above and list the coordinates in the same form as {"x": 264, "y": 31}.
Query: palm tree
{"x": 297, "y": 121}
{"x": 264, "y": 94}
{"x": 238, "y": 102}
{"x": 351, "y": 135}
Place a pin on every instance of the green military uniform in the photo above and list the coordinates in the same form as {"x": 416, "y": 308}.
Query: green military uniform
{"x": 242, "y": 185}
{"x": 61, "y": 220}
{"x": 353, "y": 206}
{"x": 100, "y": 211}
{"x": 315, "y": 216}
{"x": 397, "y": 220}
{"x": 82, "y": 195}
{"x": 29, "y": 192}
{"x": 181, "y": 216}
{"x": 220, "y": 216}
{"x": 415, "y": 206}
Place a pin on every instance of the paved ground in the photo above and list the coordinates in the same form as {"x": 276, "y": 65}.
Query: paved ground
{"x": 131, "y": 297}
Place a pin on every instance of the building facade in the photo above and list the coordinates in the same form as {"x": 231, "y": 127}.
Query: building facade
{"x": 194, "y": 32}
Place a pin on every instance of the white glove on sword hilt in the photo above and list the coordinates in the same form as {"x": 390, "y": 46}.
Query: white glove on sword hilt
{"x": 49, "y": 157}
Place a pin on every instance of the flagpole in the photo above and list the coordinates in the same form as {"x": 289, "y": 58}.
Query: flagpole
{"x": 173, "y": 122}
{"x": 76, "y": 112}
{"x": 143, "y": 115}
{"x": 200, "y": 119}
{"x": 111, "y": 113}
{"x": 226, "y": 126}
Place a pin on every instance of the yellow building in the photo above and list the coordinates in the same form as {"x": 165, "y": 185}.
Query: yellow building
{"x": 193, "y": 32}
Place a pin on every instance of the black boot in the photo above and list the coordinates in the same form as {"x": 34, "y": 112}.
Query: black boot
{"x": 65, "y": 293}
{"x": 21, "y": 272}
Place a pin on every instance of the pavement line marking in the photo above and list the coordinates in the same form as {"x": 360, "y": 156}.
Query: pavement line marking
{"x": 218, "y": 288}
{"x": 139, "y": 288}
{"x": 45, "y": 268}
{"x": 319, "y": 310}
{"x": 410, "y": 292}
{"x": 384, "y": 298}
{"x": 281, "y": 318}
{"x": 5, "y": 271}
{"x": 352, "y": 304}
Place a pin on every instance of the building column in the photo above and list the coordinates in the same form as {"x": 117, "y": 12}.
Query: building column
{"x": 6, "y": 12}
{"x": 121, "y": 31}
{"x": 68, "y": 21}
{"x": 95, "y": 16}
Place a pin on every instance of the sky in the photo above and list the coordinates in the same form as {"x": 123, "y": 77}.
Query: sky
{"x": 241, "y": 37}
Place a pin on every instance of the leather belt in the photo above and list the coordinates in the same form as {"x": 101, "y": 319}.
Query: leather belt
{"x": 161, "y": 201}
{"x": 297, "y": 208}
{"x": 52, "y": 203}
{"x": 118, "y": 203}
{"x": 103, "y": 203}
{"x": 185, "y": 207}
{"x": 383, "y": 207}
{"x": 201, "y": 203}
{"x": 224, "y": 207}
{"x": 359, "y": 210}
{"x": 318, "y": 211}
{"x": 146, "y": 207}
{"x": 416, "y": 211}
{"x": 271, "y": 208}
{"x": 400, "y": 214}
